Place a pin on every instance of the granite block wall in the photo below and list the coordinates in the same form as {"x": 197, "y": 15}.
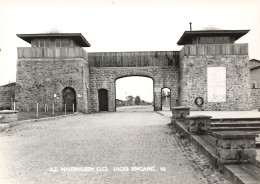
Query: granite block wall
{"x": 39, "y": 79}
{"x": 255, "y": 95}
{"x": 7, "y": 96}
{"x": 105, "y": 77}
{"x": 193, "y": 81}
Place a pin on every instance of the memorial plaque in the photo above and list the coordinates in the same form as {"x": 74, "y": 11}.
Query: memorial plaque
{"x": 216, "y": 83}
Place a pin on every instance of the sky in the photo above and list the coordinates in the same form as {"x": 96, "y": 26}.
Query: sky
{"x": 122, "y": 25}
{"x": 129, "y": 86}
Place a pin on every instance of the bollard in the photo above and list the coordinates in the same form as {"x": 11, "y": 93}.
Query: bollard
{"x": 14, "y": 106}
{"x": 53, "y": 109}
{"x": 37, "y": 109}
{"x": 65, "y": 109}
{"x": 73, "y": 108}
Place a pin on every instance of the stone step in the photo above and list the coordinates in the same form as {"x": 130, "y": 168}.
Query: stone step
{"x": 235, "y": 120}
{"x": 235, "y": 129}
{"x": 242, "y": 173}
{"x": 239, "y": 124}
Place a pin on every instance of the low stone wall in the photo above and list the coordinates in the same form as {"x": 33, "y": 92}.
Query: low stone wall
{"x": 7, "y": 95}
{"x": 8, "y": 116}
{"x": 255, "y": 95}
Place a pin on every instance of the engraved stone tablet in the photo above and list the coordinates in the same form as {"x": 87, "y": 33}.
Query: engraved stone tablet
{"x": 216, "y": 80}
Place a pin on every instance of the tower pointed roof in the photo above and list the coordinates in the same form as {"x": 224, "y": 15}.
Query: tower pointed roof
{"x": 210, "y": 31}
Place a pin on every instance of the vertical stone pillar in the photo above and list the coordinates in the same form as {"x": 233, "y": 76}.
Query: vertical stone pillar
{"x": 235, "y": 147}
{"x": 180, "y": 113}
{"x": 198, "y": 124}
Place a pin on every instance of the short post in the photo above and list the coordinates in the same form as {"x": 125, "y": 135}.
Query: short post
{"x": 73, "y": 108}
{"x": 12, "y": 103}
{"x": 37, "y": 109}
{"x": 196, "y": 123}
{"x": 235, "y": 147}
{"x": 44, "y": 107}
{"x": 52, "y": 108}
{"x": 65, "y": 109}
{"x": 14, "y": 106}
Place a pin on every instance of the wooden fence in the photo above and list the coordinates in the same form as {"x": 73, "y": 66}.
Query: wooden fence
{"x": 51, "y": 52}
{"x": 134, "y": 59}
{"x": 214, "y": 49}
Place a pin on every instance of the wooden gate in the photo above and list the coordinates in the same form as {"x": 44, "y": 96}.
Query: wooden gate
{"x": 103, "y": 99}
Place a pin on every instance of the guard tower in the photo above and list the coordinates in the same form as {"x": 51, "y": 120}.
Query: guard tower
{"x": 214, "y": 73}
{"x": 53, "y": 71}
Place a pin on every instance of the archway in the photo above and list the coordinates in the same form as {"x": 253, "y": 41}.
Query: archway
{"x": 69, "y": 98}
{"x": 166, "y": 99}
{"x": 134, "y": 93}
{"x": 103, "y": 99}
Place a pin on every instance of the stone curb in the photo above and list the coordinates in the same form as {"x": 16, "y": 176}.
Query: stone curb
{"x": 12, "y": 124}
{"x": 163, "y": 114}
{"x": 4, "y": 126}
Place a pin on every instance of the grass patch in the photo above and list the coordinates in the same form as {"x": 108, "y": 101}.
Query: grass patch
{"x": 32, "y": 115}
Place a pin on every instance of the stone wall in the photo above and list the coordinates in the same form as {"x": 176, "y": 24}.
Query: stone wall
{"x": 193, "y": 81}
{"x": 255, "y": 95}
{"x": 105, "y": 77}
{"x": 39, "y": 79}
{"x": 7, "y": 96}
{"x": 8, "y": 116}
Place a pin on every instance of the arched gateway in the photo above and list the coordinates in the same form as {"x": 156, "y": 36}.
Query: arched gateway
{"x": 57, "y": 60}
{"x": 162, "y": 68}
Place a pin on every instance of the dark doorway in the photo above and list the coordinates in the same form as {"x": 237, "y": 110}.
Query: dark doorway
{"x": 69, "y": 98}
{"x": 103, "y": 99}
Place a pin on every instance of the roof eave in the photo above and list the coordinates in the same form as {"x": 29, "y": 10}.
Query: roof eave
{"x": 188, "y": 34}
{"x": 82, "y": 42}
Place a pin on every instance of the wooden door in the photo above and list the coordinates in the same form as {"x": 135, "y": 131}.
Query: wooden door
{"x": 103, "y": 99}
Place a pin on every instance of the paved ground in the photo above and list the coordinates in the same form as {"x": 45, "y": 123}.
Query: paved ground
{"x": 136, "y": 108}
{"x": 41, "y": 152}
